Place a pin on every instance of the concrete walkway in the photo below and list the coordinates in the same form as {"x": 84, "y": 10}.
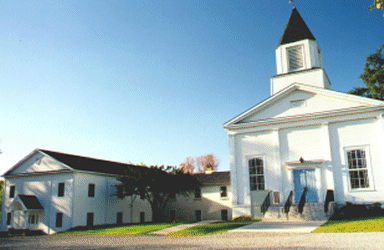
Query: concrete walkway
{"x": 181, "y": 227}
{"x": 280, "y": 227}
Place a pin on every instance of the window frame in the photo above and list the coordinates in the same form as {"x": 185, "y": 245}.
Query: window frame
{"x": 287, "y": 51}
{"x": 223, "y": 193}
{"x": 368, "y": 168}
{"x": 198, "y": 194}
{"x": 61, "y": 189}
{"x": 59, "y": 220}
{"x": 252, "y": 157}
{"x": 9, "y": 218}
{"x": 12, "y": 191}
{"x": 91, "y": 190}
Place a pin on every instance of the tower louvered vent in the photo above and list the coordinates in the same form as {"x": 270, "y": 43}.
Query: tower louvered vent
{"x": 295, "y": 57}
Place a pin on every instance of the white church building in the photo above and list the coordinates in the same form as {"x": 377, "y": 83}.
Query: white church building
{"x": 305, "y": 136}
{"x": 51, "y": 191}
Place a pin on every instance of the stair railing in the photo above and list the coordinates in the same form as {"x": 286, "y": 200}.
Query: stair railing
{"x": 300, "y": 207}
{"x": 329, "y": 197}
{"x": 288, "y": 203}
{"x": 266, "y": 203}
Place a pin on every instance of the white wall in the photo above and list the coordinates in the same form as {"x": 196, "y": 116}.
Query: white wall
{"x": 210, "y": 205}
{"x": 45, "y": 188}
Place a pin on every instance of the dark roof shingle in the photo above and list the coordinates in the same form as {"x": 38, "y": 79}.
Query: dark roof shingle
{"x": 30, "y": 202}
{"x": 214, "y": 178}
{"x": 295, "y": 30}
{"x": 89, "y": 164}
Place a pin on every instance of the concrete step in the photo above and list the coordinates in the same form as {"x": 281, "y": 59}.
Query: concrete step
{"x": 311, "y": 211}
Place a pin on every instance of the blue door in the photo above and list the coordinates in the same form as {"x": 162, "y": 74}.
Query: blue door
{"x": 305, "y": 178}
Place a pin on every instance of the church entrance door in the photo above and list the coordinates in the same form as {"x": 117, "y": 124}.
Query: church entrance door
{"x": 305, "y": 178}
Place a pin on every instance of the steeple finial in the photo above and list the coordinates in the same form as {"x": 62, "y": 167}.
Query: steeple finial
{"x": 292, "y": 1}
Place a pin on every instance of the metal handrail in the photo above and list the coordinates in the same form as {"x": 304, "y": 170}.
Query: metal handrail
{"x": 266, "y": 203}
{"x": 300, "y": 207}
{"x": 329, "y": 197}
{"x": 288, "y": 202}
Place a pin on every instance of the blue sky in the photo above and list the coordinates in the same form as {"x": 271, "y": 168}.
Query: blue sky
{"x": 153, "y": 81}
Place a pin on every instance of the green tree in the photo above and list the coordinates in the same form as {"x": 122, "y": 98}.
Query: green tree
{"x": 156, "y": 185}
{"x": 378, "y": 4}
{"x": 373, "y": 77}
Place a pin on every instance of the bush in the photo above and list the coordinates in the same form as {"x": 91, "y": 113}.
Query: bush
{"x": 243, "y": 218}
{"x": 352, "y": 211}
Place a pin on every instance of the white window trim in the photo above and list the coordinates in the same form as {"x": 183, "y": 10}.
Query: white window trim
{"x": 366, "y": 148}
{"x": 247, "y": 159}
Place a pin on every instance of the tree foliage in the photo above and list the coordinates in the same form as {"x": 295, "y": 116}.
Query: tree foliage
{"x": 1, "y": 194}
{"x": 200, "y": 165}
{"x": 188, "y": 166}
{"x": 373, "y": 77}
{"x": 377, "y": 4}
{"x": 207, "y": 162}
{"x": 156, "y": 185}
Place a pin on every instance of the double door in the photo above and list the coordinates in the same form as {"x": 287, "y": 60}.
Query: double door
{"x": 305, "y": 178}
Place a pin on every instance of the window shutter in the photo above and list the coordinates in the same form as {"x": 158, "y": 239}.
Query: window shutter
{"x": 295, "y": 57}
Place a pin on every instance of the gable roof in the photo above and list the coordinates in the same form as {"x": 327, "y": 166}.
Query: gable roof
{"x": 360, "y": 101}
{"x": 88, "y": 164}
{"x": 30, "y": 202}
{"x": 214, "y": 178}
{"x": 295, "y": 30}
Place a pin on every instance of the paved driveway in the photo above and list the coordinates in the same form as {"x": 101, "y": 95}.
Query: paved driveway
{"x": 231, "y": 240}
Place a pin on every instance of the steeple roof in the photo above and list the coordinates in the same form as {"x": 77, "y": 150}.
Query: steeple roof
{"x": 295, "y": 30}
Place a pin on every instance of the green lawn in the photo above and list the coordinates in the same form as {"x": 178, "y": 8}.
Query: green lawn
{"x": 122, "y": 230}
{"x": 368, "y": 224}
{"x": 214, "y": 228}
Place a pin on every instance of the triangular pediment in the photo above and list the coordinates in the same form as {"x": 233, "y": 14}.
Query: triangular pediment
{"x": 37, "y": 162}
{"x": 299, "y": 100}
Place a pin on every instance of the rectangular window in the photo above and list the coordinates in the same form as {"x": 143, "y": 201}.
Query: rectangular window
{"x": 60, "y": 191}
{"x": 224, "y": 214}
{"x": 89, "y": 219}
{"x": 120, "y": 192}
{"x": 256, "y": 174}
{"x": 119, "y": 218}
{"x": 9, "y": 217}
{"x": 91, "y": 190}
{"x": 223, "y": 192}
{"x": 357, "y": 168}
{"x": 295, "y": 57}
{"x": 12, "y": 191}
{"x": 197, "y": 193}
{"x": 142, "y": 217}
{"x": 59, "y": 219}
{"x": 198, "y": 215}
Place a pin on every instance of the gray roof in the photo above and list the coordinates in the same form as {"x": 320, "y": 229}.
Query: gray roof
{"x": 295, "y": 30}
{"x": 215, "y": 178}
{"x": 89, "y": 164}
{"x": 31, "y": 202}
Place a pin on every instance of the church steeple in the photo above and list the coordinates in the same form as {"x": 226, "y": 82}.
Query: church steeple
{"x": 298, "y": 57}
{"x": 295, "y": 30}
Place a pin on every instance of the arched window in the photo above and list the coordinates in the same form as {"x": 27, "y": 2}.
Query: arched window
{"x": 357, "y": 168}
{"x": 256, "y": 174}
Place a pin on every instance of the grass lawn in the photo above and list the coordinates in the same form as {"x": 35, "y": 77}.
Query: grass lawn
{"x": 214, "y": 228}
{"x": 368, "y": 224}
{"x": 122, "y": 230}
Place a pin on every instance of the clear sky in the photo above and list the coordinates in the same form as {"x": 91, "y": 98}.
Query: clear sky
{"x": 153, "y": 81}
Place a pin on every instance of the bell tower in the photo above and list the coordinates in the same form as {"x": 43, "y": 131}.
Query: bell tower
{"x": 298, "y": 57}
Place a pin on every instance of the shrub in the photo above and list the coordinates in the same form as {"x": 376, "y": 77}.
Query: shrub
{"x": 243, "y": 218}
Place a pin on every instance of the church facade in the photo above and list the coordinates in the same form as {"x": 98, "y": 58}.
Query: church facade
{"x": 305, "y": 139}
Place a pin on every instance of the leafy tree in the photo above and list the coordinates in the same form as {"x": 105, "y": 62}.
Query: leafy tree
{"x": 156, "y": 185}
{"x": 378, "y": 4}
{"x": 188, "y": 166}
{"x": 207, "y": 162}
{"x": 373, "y": 77}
